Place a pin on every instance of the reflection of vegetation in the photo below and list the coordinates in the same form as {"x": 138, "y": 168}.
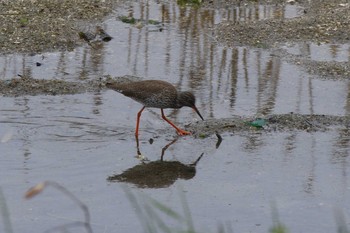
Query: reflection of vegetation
{"x": 152, "y": 213}
{"x": 126, "y": 19}
{"x": 279, "y": 228}
{"x": 154, "y": 22}
{"x": 132, "y": 20}
{"x": 189, "y": 2}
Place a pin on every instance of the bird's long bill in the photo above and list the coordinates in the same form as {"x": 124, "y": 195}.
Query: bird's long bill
{"x": 195, "y": 109}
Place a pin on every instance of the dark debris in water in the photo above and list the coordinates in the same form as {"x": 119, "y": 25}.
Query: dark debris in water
{"x": 99, "y": 35}
{"x": 132, "y": 20}
{"x": 140, "y": 23}
{"x": 218, "y": 143}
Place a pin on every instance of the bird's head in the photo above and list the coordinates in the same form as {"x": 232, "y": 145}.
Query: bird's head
{"x": 187, "y": 99}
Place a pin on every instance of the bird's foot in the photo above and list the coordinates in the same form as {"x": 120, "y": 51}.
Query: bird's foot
{"x": 181, "y": 132}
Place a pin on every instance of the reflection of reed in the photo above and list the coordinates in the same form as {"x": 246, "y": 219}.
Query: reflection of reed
{"x": 197, "y": 51}
{"x": 311, "y": 105}
{"x": 199, "y": 55}
{"x": 130, "y": 36}
{"x": 26, "y": 132}
{"x": 62, "y": 64}
{"x": 90, "y": 63}
{"x": 267, "y": 86}
{"x": 299, "y": 101}
{"x": 332, "y": 52}
{"x": 342, "y": 145}
{"x": 97, "y": 100}
{"x": 167, "y": 47}
{"x": 341, "y": 152}
{"x": 16, "y": 65}
{"x": 347, "y": 104}
{"x": 291, "y": 144}
{"x": 84, "y": 72}
{"x": 252, "y": 12}
{"x": 200, "y": 62}
{"x": 146, "y": 49}
{"x": 253, "y": 142}
{"x": 97, "y": 55}
{"x": 138, "y": 56}
{"x": 234, "y": 77}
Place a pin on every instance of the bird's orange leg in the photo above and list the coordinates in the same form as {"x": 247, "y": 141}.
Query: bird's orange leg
{"x": 178, "y": 130}
{"x": 138, "y": 122}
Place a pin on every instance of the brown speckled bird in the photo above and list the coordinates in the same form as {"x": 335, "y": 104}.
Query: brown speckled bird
{"x": 156, "y": 94}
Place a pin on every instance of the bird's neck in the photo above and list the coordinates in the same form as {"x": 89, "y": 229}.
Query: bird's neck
{"x": 181, "y": 99}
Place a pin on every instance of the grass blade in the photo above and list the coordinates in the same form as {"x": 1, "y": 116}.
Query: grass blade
{"x": 5, "y": 213}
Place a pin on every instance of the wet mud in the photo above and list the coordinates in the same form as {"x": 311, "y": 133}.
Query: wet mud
{"x": 29, "y": 86}
{"x": 44, "y": 25}
{"x": 274, "y": 123}
{"x": 321, "y": 22}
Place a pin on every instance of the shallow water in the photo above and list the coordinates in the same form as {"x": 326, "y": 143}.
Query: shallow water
{"x": 81, "y": 140}
{"x": 322, "y": 52}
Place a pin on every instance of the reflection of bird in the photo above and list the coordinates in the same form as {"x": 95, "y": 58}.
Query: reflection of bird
{"x": 156, "y": 94}
{"x": 157, "y": 174}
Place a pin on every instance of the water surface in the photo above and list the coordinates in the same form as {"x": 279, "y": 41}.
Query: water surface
{"x": 81, "y": 140}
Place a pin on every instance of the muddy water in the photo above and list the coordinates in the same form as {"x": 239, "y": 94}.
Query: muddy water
{"x": 83, "y": 141}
